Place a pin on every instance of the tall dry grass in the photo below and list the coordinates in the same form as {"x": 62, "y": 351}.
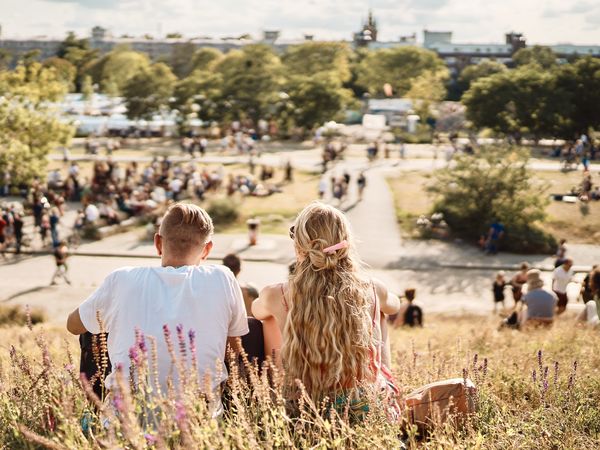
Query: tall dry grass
{"x": 539, "y": 389}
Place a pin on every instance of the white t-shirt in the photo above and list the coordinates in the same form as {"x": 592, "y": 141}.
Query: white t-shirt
{"x": 91, "y": 212}
{"x": 206, "y": 299}
{"x": 561, "y": 279}
{"x": 175, "y": 185}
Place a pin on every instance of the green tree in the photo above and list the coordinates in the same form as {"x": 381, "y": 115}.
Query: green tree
{"x": 540, "y": 55}
{"x": 201, "y": 88}
{"x": 493, "y": 184}
{"x": 477, "y": 71}
{"x": 398, "y": 66}
{"x": 66, "y": 71}
{"x": 149, "y": 90}
{"x": 206, "y": 58}
{"x": 6, "y": 58}
{"x": 79, "y": 53}
{"x": 87, "y": 88}
{"x": 116, "y": 68}
{"x": 28, "y": 128}
{"x": 181, "y": 59}
{"x": 315, "y": 99}
{"x": 581, "y": 80}
{"x": 426, "y": 89}
{"x": 521, "y": 102}
{"x": 315, "y": 57}
{"x": 252, "y": 78}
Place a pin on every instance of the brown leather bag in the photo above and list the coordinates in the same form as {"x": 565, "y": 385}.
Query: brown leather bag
{"x": 436, "y": 403}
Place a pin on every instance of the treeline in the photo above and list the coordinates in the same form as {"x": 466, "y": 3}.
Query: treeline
{"x": 305, "y": 86}
{"x": 539, "y": 98}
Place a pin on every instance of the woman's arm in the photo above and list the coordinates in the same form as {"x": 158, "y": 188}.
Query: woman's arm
{"x": 261, "y": 309}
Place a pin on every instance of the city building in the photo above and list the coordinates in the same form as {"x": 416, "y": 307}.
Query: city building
{"x": 456, "y": 55}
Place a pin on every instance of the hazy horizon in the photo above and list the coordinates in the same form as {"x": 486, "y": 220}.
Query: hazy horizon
{"x": 542, "y": 21}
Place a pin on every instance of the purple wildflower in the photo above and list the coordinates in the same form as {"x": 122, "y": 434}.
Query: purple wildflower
{"x": 133, "y": 355}
{"x": 150, "y": 438}
{"x": 192, "y": 338}
{"x": 555, "y": 373}
{"x": 180, "y": 413}
{"x": 118, "y": 402}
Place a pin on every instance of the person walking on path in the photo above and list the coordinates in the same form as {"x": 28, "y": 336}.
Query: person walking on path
{"x": 3, "y": 225}
{"x": 561, "y": 277}
{"x": 561, "y": 253}
{"x": 201, "y": 300}
{"x": 498, "y": 290}
{"x": 328, "y": 320}
{"x": 18, "y": 228}
{"x": 54, "y": 220}
{"x": 61, "y": 253}
{"x": 361, "y": 181}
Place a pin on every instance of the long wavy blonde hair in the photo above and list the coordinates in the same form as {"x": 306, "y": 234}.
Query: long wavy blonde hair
{"x": 328, "y": 332}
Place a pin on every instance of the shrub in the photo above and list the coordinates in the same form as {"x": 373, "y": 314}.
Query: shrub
{"x": 223, "y": 211}
{"x": 17, "y": 315}
{"x": 493, "y": 184}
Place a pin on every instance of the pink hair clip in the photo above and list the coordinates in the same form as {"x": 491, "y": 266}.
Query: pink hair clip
{"x": 338, "y": 246}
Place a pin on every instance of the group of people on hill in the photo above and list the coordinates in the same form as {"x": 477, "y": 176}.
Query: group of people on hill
{"x": 535, "y": 304}
{"x": 303, "y": 321}
{"x": 117, "y": 191}
{"x": 583, "y": 150}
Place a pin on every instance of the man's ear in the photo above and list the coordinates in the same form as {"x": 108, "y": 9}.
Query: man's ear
{"x": 158, "y": 243}
{"x": 206, "y": 251}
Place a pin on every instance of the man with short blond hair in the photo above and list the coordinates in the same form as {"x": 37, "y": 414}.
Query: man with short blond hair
{"x": 181, "y": 292}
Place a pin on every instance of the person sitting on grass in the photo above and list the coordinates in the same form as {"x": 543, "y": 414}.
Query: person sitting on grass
{"x": 590, "y": 314}
{"x": 180, "y": 294}
{"x": 409, "y": 314}
{"x": 327, "y": 320}
{"x": 540, "y": 303}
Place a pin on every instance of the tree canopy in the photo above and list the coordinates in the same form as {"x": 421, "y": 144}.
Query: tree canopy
{"x": 252, "y": 78}
{"x": 494, "y": 184}
{"x": 314, "y": 57}
{"x": 28, "y": 129}
{"x": 149, "y": 90}
{"x": 399, "y": 67}
{"x": 557, "y": 102}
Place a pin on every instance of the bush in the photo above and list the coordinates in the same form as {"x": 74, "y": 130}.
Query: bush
{"x": 17, "y": 315}
{"x": 223, "y": 211}
{"x": 493, "y": 184}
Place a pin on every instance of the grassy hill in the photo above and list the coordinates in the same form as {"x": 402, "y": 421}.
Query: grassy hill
{"x": 539, "y": 389}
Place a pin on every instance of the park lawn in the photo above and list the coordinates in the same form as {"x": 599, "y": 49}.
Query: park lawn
{"x": 530, "y": 394}
{"x": 410, "y": 199}
{"x": 577, "y": 223}
{"x": 278, "y": 210}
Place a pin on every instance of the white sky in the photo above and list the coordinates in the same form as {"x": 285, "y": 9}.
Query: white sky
{"x": 481, "y": 21}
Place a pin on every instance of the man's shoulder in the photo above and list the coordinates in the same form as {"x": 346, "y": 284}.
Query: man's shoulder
{"x": 216, "y": 271}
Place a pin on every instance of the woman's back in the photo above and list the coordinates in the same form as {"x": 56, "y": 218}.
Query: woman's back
{"x": 328, "y": 313}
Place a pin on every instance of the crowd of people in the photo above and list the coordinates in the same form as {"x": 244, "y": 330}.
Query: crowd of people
{"x": 115, "y": 191}
{"x": 535, "y": 303}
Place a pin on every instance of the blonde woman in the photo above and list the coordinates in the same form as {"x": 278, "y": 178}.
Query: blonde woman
{"x": 326, "y": 324}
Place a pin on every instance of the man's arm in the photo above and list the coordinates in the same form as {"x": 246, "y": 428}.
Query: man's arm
{"x": 74, "y": 323}
{"x": 388, "y": 303}
{"x": 260, "y": 308}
